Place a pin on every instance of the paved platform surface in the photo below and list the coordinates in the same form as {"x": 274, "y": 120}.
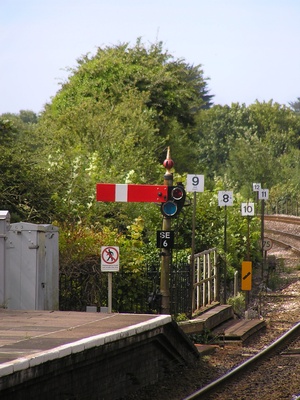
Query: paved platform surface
{"x": 25, "y": 333}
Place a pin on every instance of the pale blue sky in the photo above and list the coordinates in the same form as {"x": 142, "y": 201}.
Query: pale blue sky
{"x": 248, "y": 48}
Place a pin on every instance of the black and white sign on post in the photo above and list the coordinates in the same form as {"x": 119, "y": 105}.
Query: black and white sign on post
{"x": 195, "y": 183}
{"x": 165, "y": 239}
{"x": 110, "y": 263}
{"x": 225, "y": 198}
{"x": 263, "y": 194}
{"x": 247, "y": 209}
{"x": 256, "y": 187}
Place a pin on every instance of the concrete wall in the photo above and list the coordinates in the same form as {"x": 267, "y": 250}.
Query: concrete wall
{"x": 106, "y": 372}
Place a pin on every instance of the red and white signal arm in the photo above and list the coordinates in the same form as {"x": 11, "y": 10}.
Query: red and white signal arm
{"x": 131, "y": 193}
{"x": 110, "y": 259}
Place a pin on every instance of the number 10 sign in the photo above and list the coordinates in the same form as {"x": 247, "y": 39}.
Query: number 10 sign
{"x": 247, "y": 209}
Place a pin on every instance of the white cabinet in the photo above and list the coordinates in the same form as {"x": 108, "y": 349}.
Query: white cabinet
{"x": 31, "y": 267}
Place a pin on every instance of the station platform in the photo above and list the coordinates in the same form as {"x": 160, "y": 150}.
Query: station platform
{"x": 26, "y": 333}
{"x": 68, "y": 355}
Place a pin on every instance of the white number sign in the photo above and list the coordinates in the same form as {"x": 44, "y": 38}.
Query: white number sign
{"x": 195, "y": 183}
{"x": 263, "y": 194}
{"x": 247, "y": 209}
{"x": 256, "y": 187}
{"x": 225, "y": 198}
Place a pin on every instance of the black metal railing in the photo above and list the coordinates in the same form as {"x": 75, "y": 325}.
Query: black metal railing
{"x": 284, "y": 206}
{"x": 132, "y": 292}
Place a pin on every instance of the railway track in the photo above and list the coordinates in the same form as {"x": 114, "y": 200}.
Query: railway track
{"x": 288, "y": 345}
{"x": 284, "y": 231}
{"x": 273, "y": 373}
{"x": 276, "y": 237}
{"x": 269, "y": 373}
{"x": 290, "y": 219}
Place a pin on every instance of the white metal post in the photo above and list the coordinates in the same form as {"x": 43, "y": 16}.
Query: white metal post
{"x": 109, "y": 277}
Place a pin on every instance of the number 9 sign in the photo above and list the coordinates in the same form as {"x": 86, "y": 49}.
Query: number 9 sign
{"x": 195, "y": 183}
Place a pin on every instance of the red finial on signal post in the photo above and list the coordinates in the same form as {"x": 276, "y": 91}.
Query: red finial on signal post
{"x": 168, "y": 163}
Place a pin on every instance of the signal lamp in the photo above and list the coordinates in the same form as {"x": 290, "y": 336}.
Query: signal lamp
{"x": 175, "y": 202}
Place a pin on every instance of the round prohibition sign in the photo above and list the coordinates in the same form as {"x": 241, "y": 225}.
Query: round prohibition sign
{"x": 110, "y": 255}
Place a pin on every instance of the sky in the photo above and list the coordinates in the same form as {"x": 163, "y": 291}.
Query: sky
{"x": 248, "y": 49}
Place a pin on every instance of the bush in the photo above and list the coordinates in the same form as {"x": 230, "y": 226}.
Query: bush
{"x": 238, "y": 304}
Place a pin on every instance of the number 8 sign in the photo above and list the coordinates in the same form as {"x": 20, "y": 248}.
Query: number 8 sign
{"x": 225, "y": 198}
{"x": 247, "y": 209}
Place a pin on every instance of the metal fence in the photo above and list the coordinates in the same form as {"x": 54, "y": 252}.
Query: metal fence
{"x": 180, "y": 289}
{"x": 132, "y": 292}
{"x": 285, "y": 206}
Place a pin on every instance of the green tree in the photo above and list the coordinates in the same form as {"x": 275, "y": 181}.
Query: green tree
{"x": 218, "y": 128}
{"x": 276, "y": 125}
{"x": 250, "y": 160}
{"x": 296, "y": 105}
{"x": 115, "y": 116}
{"x": 24, "y": 190}
{"x": 230, "y": 138}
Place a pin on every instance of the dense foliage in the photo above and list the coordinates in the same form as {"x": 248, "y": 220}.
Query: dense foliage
{"x": 248, "y": 144}
{"x": 112, "y": 121}
{"x": 24, "y": 191}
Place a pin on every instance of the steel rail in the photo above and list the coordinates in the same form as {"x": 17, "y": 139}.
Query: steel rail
{"x": 275, "y": 346}
{"x": 282, "y": 243}
{"x": 283, "y": 218}
{"x": 288, "y": 234}
{"x": 286, "y": 245}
